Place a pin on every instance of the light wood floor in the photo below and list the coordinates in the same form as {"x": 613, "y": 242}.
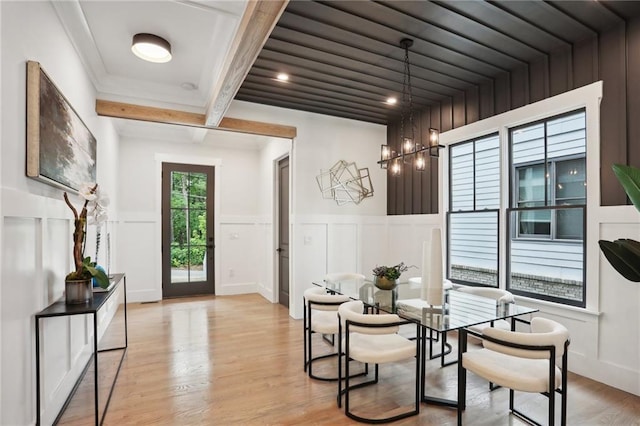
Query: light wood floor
{"x": 237, "y": 360}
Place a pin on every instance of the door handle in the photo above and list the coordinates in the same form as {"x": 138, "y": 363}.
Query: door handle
{"x": 279, "y": 249}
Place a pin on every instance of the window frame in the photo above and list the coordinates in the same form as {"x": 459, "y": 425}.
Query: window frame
{"x": 542, "y": 296}
{"x": 512, "y": 201}
{"x": 451, "y": 212}
{"x": 587, "y": 97}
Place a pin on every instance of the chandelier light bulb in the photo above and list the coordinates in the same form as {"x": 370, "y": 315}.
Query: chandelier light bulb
{"x": 396, "y": 168}
{"x": 408, "y": 145}
{"x": 386, "y": 152}
{"x": 433, "y": 137}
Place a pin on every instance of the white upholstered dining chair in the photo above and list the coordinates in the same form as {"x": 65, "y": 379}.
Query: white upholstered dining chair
{"x": 321, "y": 317}
{"x": 373, "y": 339}
{"x": 500, "y": 296}
{"x": 526, "y": 362}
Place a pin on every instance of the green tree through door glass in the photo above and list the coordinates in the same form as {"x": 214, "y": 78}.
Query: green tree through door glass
{"x": 188, "y": 227}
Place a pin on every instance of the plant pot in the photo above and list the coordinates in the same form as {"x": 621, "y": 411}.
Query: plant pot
{"x": 385, "y": 283}
{"x": 77, "y": 292}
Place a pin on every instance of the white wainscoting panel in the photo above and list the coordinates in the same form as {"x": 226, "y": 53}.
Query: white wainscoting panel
{"x": 21, "y": 295}
{"x": 140, "y": 258}
{"x": 619, "y": 339}
{"x": 374, "y": 245}
{"x": 331, "y": 243}
{"x": 266, "y": 273}
{"x": 37, "y": 249}
{"x": 240, "y": 246}
{"x": 342, "y": 238}
{"x": 54, "y": 342}
{"x": 56, "y": 263}
{"x": 309, "y": 260}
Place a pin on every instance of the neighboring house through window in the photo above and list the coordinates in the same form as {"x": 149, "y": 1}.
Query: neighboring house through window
{"x": 544, "y": 248}
{"x": 565, "y": 186}
{"x": 474, "y": 206}
{"x": 545, "y": 255}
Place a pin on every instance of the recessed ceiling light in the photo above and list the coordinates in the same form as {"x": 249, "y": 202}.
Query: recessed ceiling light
{"x": 188, "y": 86}
{"x": 151, "y": 48}
{"x": 391, "y": 101}
{"x": 282, "y": 77}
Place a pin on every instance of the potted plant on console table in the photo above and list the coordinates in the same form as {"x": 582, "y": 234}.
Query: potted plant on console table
{"x": 79, "y": 283}
{"x": 386, "y": 277}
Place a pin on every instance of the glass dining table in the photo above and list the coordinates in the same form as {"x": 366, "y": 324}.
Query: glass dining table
{"x": 460, "y": 310}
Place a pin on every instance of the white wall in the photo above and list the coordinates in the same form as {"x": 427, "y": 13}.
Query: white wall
{"x": 1, "y": 232}
{"x": 325, "y": 237}
{"x": 322, "y": 141}
{"x": 245, "y": 237}
{"x": 242, "y": 220}
{"x": 36, "y": 225}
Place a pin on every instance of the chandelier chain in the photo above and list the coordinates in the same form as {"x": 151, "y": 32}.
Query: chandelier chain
{"x": 407, "y": 99}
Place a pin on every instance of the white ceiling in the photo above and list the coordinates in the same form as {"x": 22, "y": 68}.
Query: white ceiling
{"x": 200, "y": 32}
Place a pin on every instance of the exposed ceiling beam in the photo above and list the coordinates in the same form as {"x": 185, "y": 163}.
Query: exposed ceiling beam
{"x": 172, "y": 116}
{"x": 258, "y": 21}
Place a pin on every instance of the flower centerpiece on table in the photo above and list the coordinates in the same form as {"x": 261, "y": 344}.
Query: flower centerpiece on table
{"x": 95, "y": 203}
{"x": 385, "y": 277}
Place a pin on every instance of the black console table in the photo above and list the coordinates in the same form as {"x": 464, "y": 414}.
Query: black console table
{"x": 60, "y": 308}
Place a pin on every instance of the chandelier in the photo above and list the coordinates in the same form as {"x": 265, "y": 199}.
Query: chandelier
{"x": 411, "y": 150}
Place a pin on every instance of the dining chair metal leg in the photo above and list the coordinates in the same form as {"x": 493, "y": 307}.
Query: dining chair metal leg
{"x": 304, "y": 334}
{"x": 462, "y": 376}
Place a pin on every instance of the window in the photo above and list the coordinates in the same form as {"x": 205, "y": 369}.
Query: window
{"x": 474, "y": 188}
{"x": 546, "y": 217}
{"x": 565, "y": 186}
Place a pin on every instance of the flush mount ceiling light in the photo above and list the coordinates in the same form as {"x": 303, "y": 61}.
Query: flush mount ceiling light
{"x": 282, "y": 77}
{"x": 151, "y": 48}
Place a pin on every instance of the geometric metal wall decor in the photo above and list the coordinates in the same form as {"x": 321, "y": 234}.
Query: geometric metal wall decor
{"x": 345, "y": 183}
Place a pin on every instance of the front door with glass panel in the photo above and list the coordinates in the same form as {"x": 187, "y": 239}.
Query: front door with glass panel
{"x": 187, "y": 230}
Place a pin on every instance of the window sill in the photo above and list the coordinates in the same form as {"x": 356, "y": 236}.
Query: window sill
{"x": 558, "y": 308}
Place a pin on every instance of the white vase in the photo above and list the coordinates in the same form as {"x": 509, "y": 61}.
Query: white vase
{"x": 434, "y": 290}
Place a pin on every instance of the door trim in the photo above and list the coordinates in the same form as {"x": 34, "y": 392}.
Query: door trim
{"x": 206, "y": 286}
{"x": 204, "y": 161}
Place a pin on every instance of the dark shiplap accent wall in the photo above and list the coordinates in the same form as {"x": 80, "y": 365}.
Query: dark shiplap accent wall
{"x": 613, "y": 56}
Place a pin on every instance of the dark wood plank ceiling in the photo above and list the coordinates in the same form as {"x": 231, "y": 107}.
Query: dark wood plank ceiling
{"x": 344, "y": 57}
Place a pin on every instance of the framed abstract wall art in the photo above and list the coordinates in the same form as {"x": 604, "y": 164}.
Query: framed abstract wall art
{"x": 61, "y": 150}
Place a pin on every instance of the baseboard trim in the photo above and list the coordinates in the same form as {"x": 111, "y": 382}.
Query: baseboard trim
{"x": 137, "y": 296}
{"x": 236, "y": 288}
{"x": 617, "y": 376}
